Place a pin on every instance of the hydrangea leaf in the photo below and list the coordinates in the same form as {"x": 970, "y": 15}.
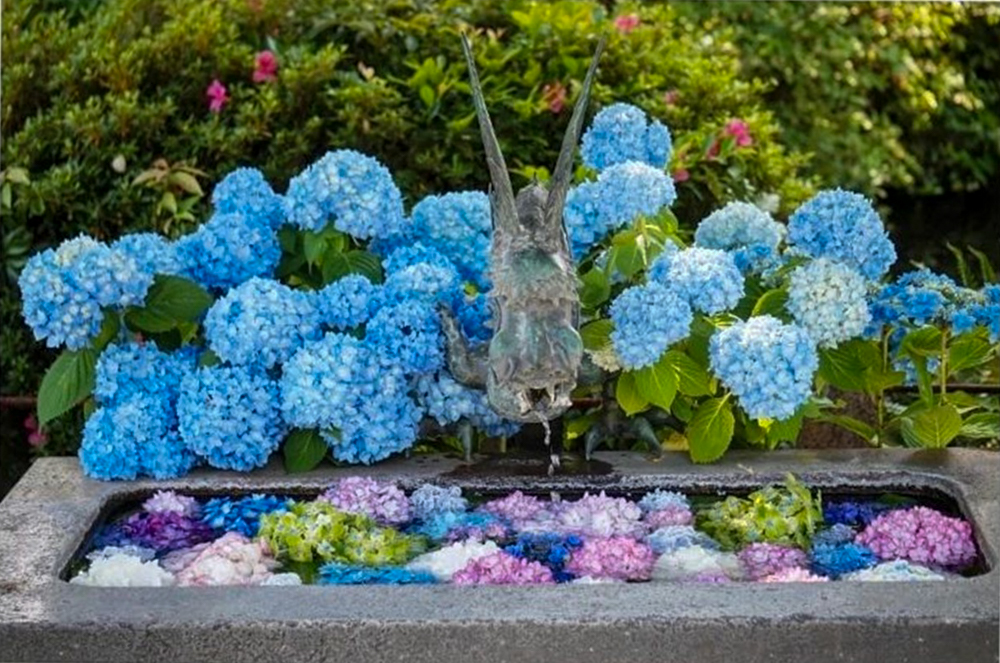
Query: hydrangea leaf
{"x": 692, "y": 378}
{"x": 933, "y": 428}
{"x": 981, "y": 426}
{"x": 657, "y": 383}
{"x": 772, "y": 302}
{"x": 851, "y": 424}
{"x": 68, "y": 381}
{"x": 784, "y": 431}
{"x": 596, "y": 335}
{"x": 627, "y": 394}
{"x": 842, "y": 368}
{"x": 711, "y": 430}
{"x": 337, "y": 265}
{"x": 303, "y": 450}
{"x": 595, "y": 289}
{"x": 170, "y": 300}
{"x": 110, "y": 325}
{"x": 967, "y": 352}
{"x": 925, "y": 342}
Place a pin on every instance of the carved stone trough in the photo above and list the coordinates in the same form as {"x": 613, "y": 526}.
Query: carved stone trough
{"x": 49, "y": 514}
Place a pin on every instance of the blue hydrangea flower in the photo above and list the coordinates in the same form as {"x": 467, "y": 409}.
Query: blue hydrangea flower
{"x": 63, "y": 291}
{"x": 987, "y": 313}
{"x": 245, "y": 191}
{"x": 829, "y": 300}
{"x": 475, "y": 316}
{"x": 663, "y": 499}
{"x": 386, "y": 423}
{"x": 852, "y": 513}
{"x": 648, "y": 319}
{"x": 708, "y": 279}
{"x": 921, "y": 297}
{"x": 153, "y": 253}
{"x": 834, "y": 535}
{"x": 240, "y": 514}
{"x": 230, "y": 416}
{"x": 429, "y": 499}
{"x": 674, "y": 537}
{"x": 347, "y": 302}
{"x": 458, "y": 225}
{"x": 137, "y": 436}
{"x": 126, "y": 369}
{"x": 620, "y": 194}
{"x": 659, "y": 268}
{"x": 744, "y": 230}
{"x": 548, "y": 548}
{"x": 408, "y": 336}
{"x": 620, "y": 133}
{"x": 353, "y": 190}
{"x": 433, "y": 282}
{"x": 836, "y": 560}
{"x": 843, "y": 226}
{"x": 447, "y": 401}
{"x": 228, "y": 250}
{"x": 455, "y": 525}
{"x": 768, "y": 365}
{"x": 335, "y": 573}
{"x": 261, "y": 322}
{"x": 412, "y": 254}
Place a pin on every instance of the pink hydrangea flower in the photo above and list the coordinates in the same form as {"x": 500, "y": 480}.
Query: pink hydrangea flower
{"x": 626, "y": 23}
{"x": 600, "y": 516}
{"x": 618, "y": 557}
{"x": 383, "y": 502}
{"x": 668, "y": 517}
{"x": 681, "y": 175}
{"x": 217, "y": 95}
{"x": 922, "y": 535}
{"x": 516, "y": 508}
{"x": 168, "y": 501}
{"x": 265, "y": 67}
{"x": 739, "y": 130}
{"x": 764, "y": 559}
{"x": 794, "y": 574}
{"x": 232, "y": 559}
{"x": 554, "y": 96}
{"x": 502, "y": 568}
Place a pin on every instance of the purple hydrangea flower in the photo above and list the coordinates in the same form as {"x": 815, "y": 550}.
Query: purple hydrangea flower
{"x": 668, "y": 516}
{"x": 165, "y": 531}
{"x": 502, "y": 568}
{"x": 383, "y": 502}
{"x": 760, "y": 560}
{"x": 619, "y": 557}
{"x": 601, "y": 516}
{"x": 166, "y": 501}
{"x": 922, "y": 535}
{"x": 794, "y": 574}
{"x": 516, "y": 508}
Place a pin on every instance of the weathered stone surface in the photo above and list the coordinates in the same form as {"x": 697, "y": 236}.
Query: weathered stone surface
{"x": 47, "y": 516}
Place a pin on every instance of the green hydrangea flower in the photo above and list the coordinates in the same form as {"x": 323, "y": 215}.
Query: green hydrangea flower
{"x": 317, "y": 531}
{"x": 785, "y": 514}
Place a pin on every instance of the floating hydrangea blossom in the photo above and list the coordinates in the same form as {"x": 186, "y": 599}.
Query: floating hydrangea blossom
{"x": 674, "y": 537}
{"x": 334, "y": 573}
{"x": 794, "y": 574}
{"x": 690, "y": 562}
{"x": 834, "y": 535}
{"x": 429, "y": 499}
{"x": 516, "y": 508}
{"x": 444, "y": 562}
{"x": 618, "y": 557}
{"x": 764, "y": 559}
{"x": 241, "y": 514}
{"x": 162, "y": 532}
{"x": 381, "y": 501}
{"x": 834, "y": 560}
{"x": 232, "y": 559}
{"x": 922, "y": 535}
{"x": 459, "y": 526}
{"x": 620, "y": 133}
{"x": 668, "y": 516}
{"x": 852, "y": 513}
{"x": 164, "y": 501}
{"x": 551, "y": 549}
{"x": 767, "y": 364}
{"x": 600, "y": 515}
{"x": 895, "y": 571}
{"x": 123, "y": 570}
{"x": 502, "y": 568}
{"x": 707, "y": 279}
{"x": 746, "y": 231}
{"x": 828, "y": 300}
{"x": 648, "y": 319}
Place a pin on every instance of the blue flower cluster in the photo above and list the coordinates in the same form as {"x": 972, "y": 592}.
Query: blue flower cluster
{"x": 551, "y": 549}
{"x": 708, "y": 279}
{"x": 620, "y": 194}
{"x": 475, "y": 316}
{"x": 126, "y": 369}
{"x": 335, "y": 573}
{"x": 620, "y": 133}
{"x": 429, "y": 499}
{"x": 444, "y": 525}
{"x": 241, "y": 514}
{"x": 842, "y": 226}
{"x": 648, "y": 319}
{"x": 347, "y": 302}
{"x": 448, "y": 401}
{"x": 922, "y": 297}
{"x": 852, "y": 513}
{"x": 408, "y": 336}
{"x": 353, "y": 190}
{"x": 746, "y": 231}
{"x": 245, "y": 191}
{"x": 427, "y": 281}
{"x": 227, "y": 250}
{"x": 768, "y": 365}
{"x": 834, "y": 560}
{"x": 261, "y": 322}
{"x": 663, "y": 499}
{"x": 64, "y": 290}
{"x": 835, "y": 534}
{"x": 153, "y": 253}
{"x": 411, "y": 254}
{"x": 458, "y": 226}
{"x": 134, "y": 437}
{"x": 230, "y": 416}
{"x": 674, "y": 537}
{"x": 660, "y": 266}
{"x": 829, "y": 300}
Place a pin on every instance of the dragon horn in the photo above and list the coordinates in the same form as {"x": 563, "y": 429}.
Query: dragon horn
{"x": 504, "y": 210}
{"x": 559, "y": 185}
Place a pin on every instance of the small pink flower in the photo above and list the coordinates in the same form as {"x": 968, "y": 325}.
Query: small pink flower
{"x": 266, "y": 67}
{"x": 217, "y": 95}
{"x": 626, "y": 23}
{"x": 36, "y": 437}
{"x": 713, "y": 150}
{"x": 681, "y": 175}
{"x": 670, "y": 97}
{"x": 739, "y": 130}
{"x": 554, "y": 95}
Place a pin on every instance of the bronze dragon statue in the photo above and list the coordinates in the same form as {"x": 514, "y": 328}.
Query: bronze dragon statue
{"x": 529, "y": 368}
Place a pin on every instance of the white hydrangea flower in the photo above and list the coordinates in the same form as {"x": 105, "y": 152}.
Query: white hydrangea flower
{"x": 123, "y": 570}
{"x": 828, "y": 299}
{"x": 444, "y": 563}
{"x": 691, "y": 561}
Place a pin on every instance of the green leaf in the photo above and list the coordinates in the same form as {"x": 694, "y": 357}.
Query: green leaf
{"x": 352, "y": 262}
{"x": 208, "y": 358}
{"x": 711, "y": 430}
{"x": 692, "y": 378}
{"x": 933, "y": 428}
{"x": 314, "y": 246}
{"x": 187, "y": 182}
{"x": 842, "y": 367}
{"x": 657, "y": 383}
{"x": 110, "y": 325}
{"x": 170, "y": 301}
{"x": 596, "y": 335}
{"x": 924, "y": 342}
{"x": 427, "y": 95}
{"x": 772, "y": 303}
{"x": 303, "y": 450}
{"x": 985, "y": 267}
{"x": 981, "y": 426}
{"x": 786, "y": 430}
{"x": 627, "y": 259}
{"x": 288, "y": 237}
{"x": 968, "y": 351}
{"x": 963, "y": 268}
{"x": 68, "y": 381}
{"x": 856, "y": 426}
{"x": 595, "y": 288}
{"x": 627, "y": 394}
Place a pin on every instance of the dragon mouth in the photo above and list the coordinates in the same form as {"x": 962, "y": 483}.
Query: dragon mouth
{"x": 547, "y": 402}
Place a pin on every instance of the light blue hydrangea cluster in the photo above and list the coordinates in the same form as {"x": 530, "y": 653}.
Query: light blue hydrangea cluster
{"x": 622, "y": 132}
{"x": 660, "y": 266}
{"x": 475, "y": 316}
{"x": 427, "y": 281}
{"x": 746, "y": 231}
{"x": 829, "y": 300}
{"x": 843, "y": 226}
{"x": 674, "y": 537}
{"x": 245, "y": 191}
{"x": 708, "y": 279}
{"x": 408, "y": 336}
{"x": 411, "y": 254}
{"x": 63, "y": 291}
{"x": 336, "y": 573}
{"x": 153, "y": 253}
{"x": 659, "y": 499}
{"x": 458, "y": 226}
{"x": 619, "y": 195}
{"x": 347, "y": 302}
{"x": 351, "y": 189}
{"x": 447, "y": 401}
{"x": 428, "y": 500}
{"x": 241, "y": 514}
{"x": 261, "y": 322}
{"x": 127, "y": 369}
{"x": 230, "y": 416}
{"x": 227, "y": 250}
{"x": 137, "y": 436}
{"x": 921, "y": 297}
{"x": 767, "y": 364}
{"x": 648, "y": 319}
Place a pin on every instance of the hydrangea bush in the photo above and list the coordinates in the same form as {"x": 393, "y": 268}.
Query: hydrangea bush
{"x": 312, "y": 319}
